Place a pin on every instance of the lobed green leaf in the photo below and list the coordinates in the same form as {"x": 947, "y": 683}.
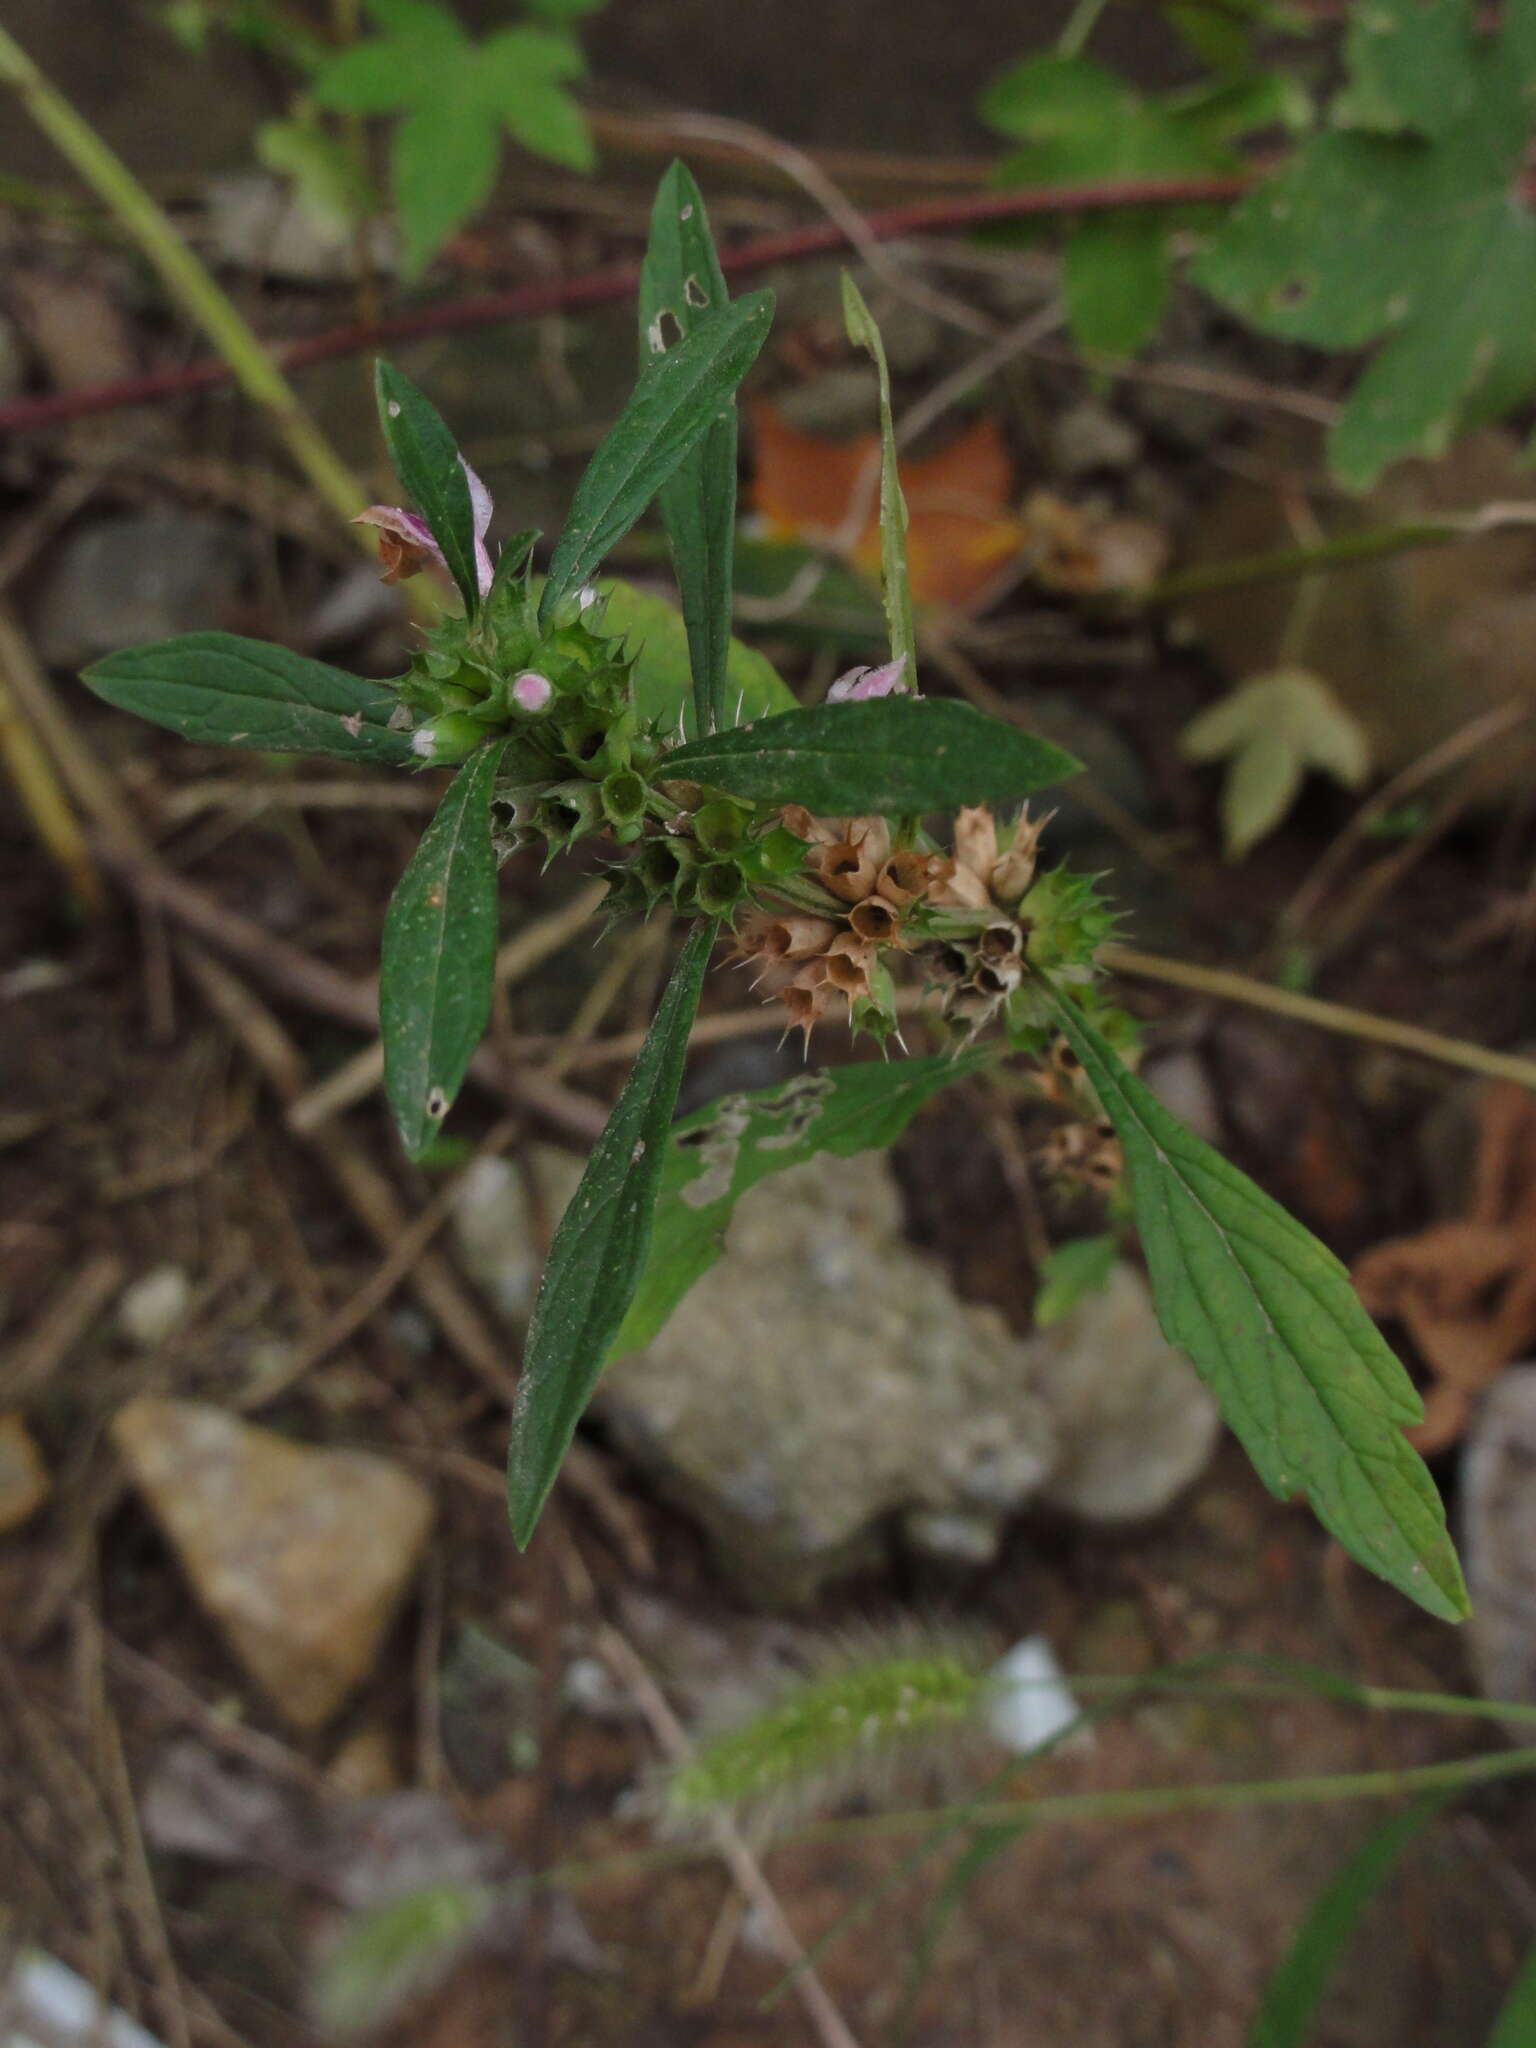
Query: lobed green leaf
{"x": 675, "y": 402}
{"x": 429, "y": 466}
{"x": 220, "y": 690}
{"x": 890, "y": 754}
{"x": 599, "y": 1250}
{"x": 1273, "y": 1326}
{"x": 714, "y": 1156}
{"x": 439, "y": 950}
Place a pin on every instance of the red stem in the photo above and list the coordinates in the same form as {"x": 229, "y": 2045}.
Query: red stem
{"x": 602, "y": 287}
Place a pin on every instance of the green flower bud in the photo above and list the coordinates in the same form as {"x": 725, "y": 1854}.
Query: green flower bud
{"x": 623, "y": 795}
{"x": 568, "y": 811}
{"x": 719, "y": 888}
{"x": 449, "y": 739}
{"x": 720, "y": 826}
{"x": 666, "y": 865}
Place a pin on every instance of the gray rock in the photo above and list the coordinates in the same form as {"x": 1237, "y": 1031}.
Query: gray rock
{"x": 822, "y": 1386}
{"x": 822, "y": 1380}
{"x": 142, "y": 576}
{"x": 1134, "y": 1422}
{"x": 835, "y": 402}
{"x": 153, "y": 1305}
{"x": 1089, "y": 440}
{"x": 256, "y": 222}
{"x": 1498, "y": 1515}
{"x": 493, "y": 1232}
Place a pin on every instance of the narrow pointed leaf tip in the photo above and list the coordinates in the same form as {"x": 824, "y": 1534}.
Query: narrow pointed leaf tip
{"x": 1272, "y": 1324}
{"x": 890, "y": 754}
{"x": 678, "y": 397}
{"x": 451, "y": 501}
{"x": 599, "y": 1250}
{"x": 218, "y": 689}
{"x": 438, "y": 955}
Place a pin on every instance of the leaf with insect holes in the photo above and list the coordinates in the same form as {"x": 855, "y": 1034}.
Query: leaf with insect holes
{"x": 1270, "y": 731}
{"x": 681, "y": 286}
{"x": 889, "y": 754}
{"x": 219, "y": 690}
{"x": 1288, "y": 2010}
{"x": 895, "y": 583}
{"x": 456, "y": 98}
{"x": 714, "y": 1156}
{"x": 677, "y": 398}
{"x": 599, "y": 1249}
{"x": 1274, "y": 1328}
{"x": 1415, "y": 239}
{"x": 431, "y": 469}
{"x": 438, "y": 953}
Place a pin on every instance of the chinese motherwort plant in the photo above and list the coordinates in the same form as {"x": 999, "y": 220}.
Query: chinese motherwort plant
{"x": 837, "y": 848}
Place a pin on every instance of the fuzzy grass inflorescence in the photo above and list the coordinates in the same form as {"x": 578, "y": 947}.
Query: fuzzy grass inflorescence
{"x": 873, "y": 1706}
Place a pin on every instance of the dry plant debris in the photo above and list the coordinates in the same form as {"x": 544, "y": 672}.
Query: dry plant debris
{"x": 1466, "y": 1290}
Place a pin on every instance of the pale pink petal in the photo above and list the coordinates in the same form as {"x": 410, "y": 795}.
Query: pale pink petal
{"x": 405, "y": 543}
{"x": 481, "y": 507}
{"x": 859, "y": 684}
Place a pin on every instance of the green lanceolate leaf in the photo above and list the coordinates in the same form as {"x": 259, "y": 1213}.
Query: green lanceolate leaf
{"x": 220, "y": 690}
{"x": 428, "y": 464}
{"x": 599, "y": 1250}
{"x": 1272, "y": 1324}
{"x": 895, "y": 584}
{"x": 676, "y": 400}
{"x": 661, "y": 680}
{"x": 1293, "y": 1994}
{"x": 715, "y": 1155}
{"x": 886, "y": 754}
{"x": 438, "y": 952}
{"x": 681, "y": 286}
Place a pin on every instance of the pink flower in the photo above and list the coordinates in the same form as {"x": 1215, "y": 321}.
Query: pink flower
{"x": 406, "y": 543}
{"x": 861, "y": 683}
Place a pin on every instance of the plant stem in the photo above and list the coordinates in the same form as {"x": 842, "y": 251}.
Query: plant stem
{"x": 44, "y": 800}
{"x": 1135, "y": 1803}
{"x": 185, "y": 277}
{"x": 1349, "y": 1023}
{"x": 1081, "y": 23}
{"x": 1345, "y": 550}
{"x": 1146, "y": 1801}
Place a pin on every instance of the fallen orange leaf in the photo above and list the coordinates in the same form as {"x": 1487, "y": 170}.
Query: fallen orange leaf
{"x": 961, "y": 527}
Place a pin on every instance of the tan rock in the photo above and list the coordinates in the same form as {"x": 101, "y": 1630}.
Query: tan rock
{"x": 24, "y": 1482}
{"x": 364, "y": 1766}
{"x": 300, "y": 1556}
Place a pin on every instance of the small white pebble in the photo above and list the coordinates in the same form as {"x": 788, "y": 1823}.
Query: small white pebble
{"x": 152, "y": 1307}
